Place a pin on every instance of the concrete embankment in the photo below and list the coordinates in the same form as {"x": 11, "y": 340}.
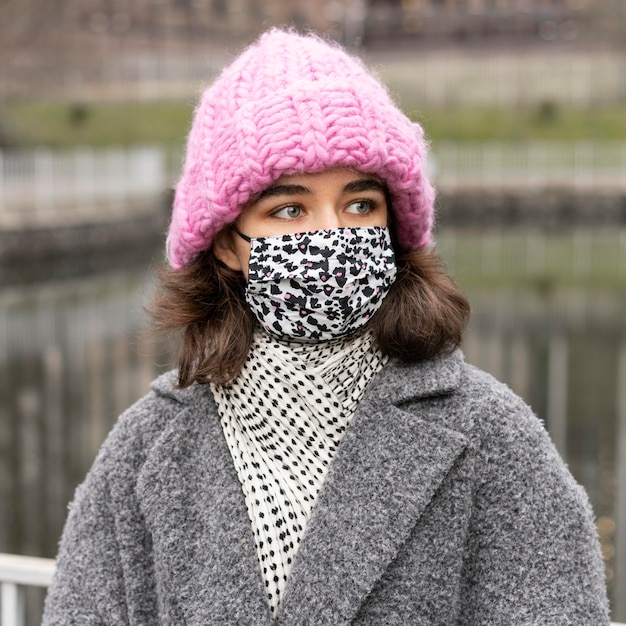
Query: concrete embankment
{"x": 62, "y": 250}
{"x": 550, "y": 209}
{"x": 59, "y": 250}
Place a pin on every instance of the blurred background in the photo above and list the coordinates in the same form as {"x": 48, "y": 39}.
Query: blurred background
{"x": 524, "y": 103}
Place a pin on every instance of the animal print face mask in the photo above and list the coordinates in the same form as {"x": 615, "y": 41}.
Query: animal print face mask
{"x": 319, "y": 285}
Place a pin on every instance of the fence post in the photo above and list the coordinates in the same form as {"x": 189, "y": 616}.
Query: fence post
{"x": 12, "y": 604}
{"x": 43, "y": 179}
{"x": 84, "y": 172}
{"x": 493, "y": 166}
{"x": 581, "y": 253}
{"x": 557, "y": 390}
{"x": 535, "y": 254}
{"x": 536, "y": 164}
{"x": 583, "y": 164}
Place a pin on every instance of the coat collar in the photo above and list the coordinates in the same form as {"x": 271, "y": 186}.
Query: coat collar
{"x": 395, "y": 383}
{"x": 382, "y": 478}
{"x": 384, "y": 475}
{"x": 398, "y": 384}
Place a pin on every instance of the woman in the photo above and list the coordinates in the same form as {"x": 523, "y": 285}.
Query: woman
{"x": 323, "y": 454}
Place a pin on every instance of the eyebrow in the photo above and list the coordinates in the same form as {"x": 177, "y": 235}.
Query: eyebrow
{"x": 280, "y": 190}
{"x": 365, "y": 184}
{"x": 355, "y": 186}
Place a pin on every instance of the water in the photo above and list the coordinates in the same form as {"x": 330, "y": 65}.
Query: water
{"x": 71, "y": 360}
{"x": 564, "y": 352}
{"x": 72, "y": 357}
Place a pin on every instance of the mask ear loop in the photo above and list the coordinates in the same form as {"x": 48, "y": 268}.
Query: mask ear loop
{"x": 236, "y": 230}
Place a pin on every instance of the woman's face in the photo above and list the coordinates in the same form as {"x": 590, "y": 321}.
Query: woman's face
{"x": 334, "y": 198}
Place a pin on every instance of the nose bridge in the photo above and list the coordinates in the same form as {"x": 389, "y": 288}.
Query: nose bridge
{"x": 328, "y": 216}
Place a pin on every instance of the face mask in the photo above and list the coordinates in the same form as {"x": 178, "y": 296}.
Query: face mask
{"x": 319, "y": 285}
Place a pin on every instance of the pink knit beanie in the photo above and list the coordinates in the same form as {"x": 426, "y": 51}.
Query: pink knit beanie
{"x": 292, "y": 104}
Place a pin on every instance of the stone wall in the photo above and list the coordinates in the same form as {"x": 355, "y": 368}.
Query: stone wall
{"x": 34, "y": 255}
{"x": 557, "y": 209}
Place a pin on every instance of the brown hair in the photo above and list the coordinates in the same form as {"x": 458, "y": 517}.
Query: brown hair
{"x": 423, "y": 315}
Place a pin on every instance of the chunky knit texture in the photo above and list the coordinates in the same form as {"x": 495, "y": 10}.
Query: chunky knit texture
{"x": 293, "y": 104}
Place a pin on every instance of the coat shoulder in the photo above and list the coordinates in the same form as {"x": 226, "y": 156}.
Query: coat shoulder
{"x": 457, "y": 395}
{"x": 499, "y": 426}
{"x": 140, "y": 427}
{"x": 493, "y": 409}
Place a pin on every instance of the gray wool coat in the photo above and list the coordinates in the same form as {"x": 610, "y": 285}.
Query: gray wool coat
{"x": 446, "y": 504}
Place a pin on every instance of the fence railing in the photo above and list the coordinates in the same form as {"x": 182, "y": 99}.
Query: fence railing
{"x": 580, "y": 164}
{"x": 48, "y": 186}
{"x": 17, "y": 572}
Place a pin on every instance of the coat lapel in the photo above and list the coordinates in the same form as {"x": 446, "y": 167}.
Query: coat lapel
{"x": 202, "y": 538}
{"x": 384, "y": 475}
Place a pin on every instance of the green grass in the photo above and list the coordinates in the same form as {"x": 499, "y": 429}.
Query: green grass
{"x": 105, "y": 124}
{"x": 547, "y": 121}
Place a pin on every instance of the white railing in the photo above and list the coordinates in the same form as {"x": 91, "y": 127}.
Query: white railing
{"x": 577, "y": 165}
{"x": 17, "y": 572}
{"x": 47, "y": 186}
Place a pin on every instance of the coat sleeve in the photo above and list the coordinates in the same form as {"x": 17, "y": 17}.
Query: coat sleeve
{"x": 88, "y": 585}
{"x": 534, "y": 555}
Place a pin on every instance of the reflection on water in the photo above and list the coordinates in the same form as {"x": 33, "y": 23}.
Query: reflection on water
{"x": 72, "y": 358}
{"x": 565, "y": 354}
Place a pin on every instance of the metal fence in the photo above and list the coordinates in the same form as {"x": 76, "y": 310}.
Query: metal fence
{"x": 17, "y": 573}
{"x": 577, "y": 164}
{"x": 535, "y": 258}
{"x": 59, "y": 186}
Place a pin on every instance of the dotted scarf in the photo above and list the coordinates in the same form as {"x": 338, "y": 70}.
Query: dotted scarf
{"x": 283, "y": 419}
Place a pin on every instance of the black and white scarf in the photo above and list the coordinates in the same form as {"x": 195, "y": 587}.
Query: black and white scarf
{"x": 283, "y": 419}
